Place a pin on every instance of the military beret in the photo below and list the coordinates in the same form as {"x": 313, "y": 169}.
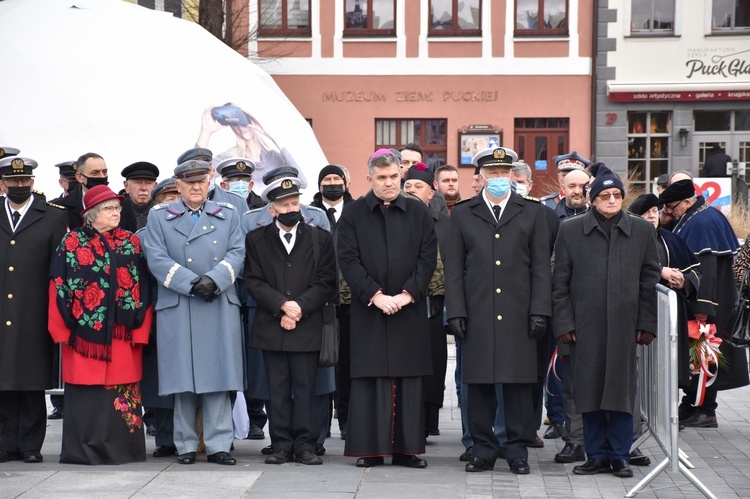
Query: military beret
{"x": 495, "y": 156}
{"x": 192, "y": 171}
{"x": 68, "y": 169}
{"x": 643, "y": 203}
{"x": 16, "y": 166}
{"x": 677, "y": 191}
{"x": 141, "y": 169}
{"x": 280, "y": 172}
{"x": 199, "y": 153}
{"x": 234, "y": 167}
{"x": 163, "y": 187}
{"x": 281, "y": 188}
{"x": 570, "y": 161}
{"x": 8, "y": 151}
{"x": 420, "y": 171}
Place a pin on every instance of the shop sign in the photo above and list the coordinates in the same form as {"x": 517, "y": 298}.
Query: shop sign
{"x": 681, "y": 96}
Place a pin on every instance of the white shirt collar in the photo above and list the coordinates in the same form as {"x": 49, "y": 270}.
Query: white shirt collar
{"x": 490, "y": 204}
{"x": 22, "y": 210}
{"x": 337, "y": 207}
{"x": 288, "y": 244}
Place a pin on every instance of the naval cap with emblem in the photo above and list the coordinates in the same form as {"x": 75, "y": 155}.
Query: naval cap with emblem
{"x": 8, "y": 151}
{"x": 68, "y": 169}
{"x": 16, "y": 166}
{"x": 280, "y": 172}
{"x": 494, "y": 156}
{"x": 141, "y": 169}
{"x": 199, "y": 153}
{"x": 192, "y": 171}
{"x": 570, "y": 161}
{"x": 281, "y": 188}
{"x": 236, "y": 167}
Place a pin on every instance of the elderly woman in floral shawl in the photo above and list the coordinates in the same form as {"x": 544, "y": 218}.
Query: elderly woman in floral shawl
{"x": 99, "y": 309}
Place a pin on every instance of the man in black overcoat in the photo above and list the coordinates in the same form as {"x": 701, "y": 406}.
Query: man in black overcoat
{"x": 140, "y": 180}
{"x": 30, "y": 232}
{"x": 291, "y": 281}
{"x": 498, "y": 284}
{"x": 91, "y": 171}
{"x": 387, "y": 252}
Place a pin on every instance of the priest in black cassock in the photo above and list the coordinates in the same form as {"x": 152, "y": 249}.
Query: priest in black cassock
{"x": 387, "y": 251}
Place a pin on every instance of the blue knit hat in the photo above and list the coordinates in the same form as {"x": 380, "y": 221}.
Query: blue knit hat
{"x": 605, "y": 179}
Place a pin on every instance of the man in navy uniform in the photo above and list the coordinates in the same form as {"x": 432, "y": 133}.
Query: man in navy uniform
{"x": 91, "y": 171}
{"x": 237, "y": 177}
{"x": 195, "y": 251}
{"x": 67, "y": 178}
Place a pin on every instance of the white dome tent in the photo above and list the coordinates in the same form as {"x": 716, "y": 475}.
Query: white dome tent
{"x": 130, "y": 84}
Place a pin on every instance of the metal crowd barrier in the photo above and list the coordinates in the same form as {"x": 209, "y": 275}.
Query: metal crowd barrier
{"x": 657, "y": 380}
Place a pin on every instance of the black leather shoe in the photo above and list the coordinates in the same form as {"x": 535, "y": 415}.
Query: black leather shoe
{"x": 32, "y": 457}
{"x": 267, "y": 451}
{"x": 256, "y": 433}
{"x": 479, "y": 464}
{"x": 519, "y": 466}
{"x": 553, "y": 431}
{"x": 537, "y": 444}
{"x": 621, "y": 468}
{"x": 466, "y": 456}
{"x": 187, "y": 458}
{"x": 570, "y": 454}
{"x": 592, "y": 467}
{"x": 638, "y": 459}
{"x": 320, "y": 450}
{"x": 280, "y": 457}
{"x": 308, "y": 457}
{"x": 57, "y": 413}
{"x": 6, "y": 456}
{"x": 222, "y": 458}
{"x": 165, "y": 451}
{"x": 369, "y": 462}
{"x": 408, "y": 461}
{"x": 700, "y": 420}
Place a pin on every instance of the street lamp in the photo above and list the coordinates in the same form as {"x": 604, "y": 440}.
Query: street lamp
{"x": 683, "y": 137}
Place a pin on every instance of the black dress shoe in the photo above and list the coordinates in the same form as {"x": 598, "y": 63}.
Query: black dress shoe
{"x": 570, "y": 454}
{"x": 369, "y": 462}
{"x": 519, "y": 466}
{"x": 466, "y": 456}
{"x": 57, "y": 413}
{"x": 165, "y": 451}
{"x": 32, "y": 457}
{"x": 267, "y": 451}
{"x": 187, "y": 458}
{"x": 592, "y": 467}
{"x": 320, "y": 450}
{"x": 256, "y": 433}
{"x": 308, "y": 457}
{"x": 537, "y": 444}
{"x": 6, "y": 456}
{"x": 280, "y": 457}
{"x": 553, "y": 431}
{"x": 479, "y": 464}
{"x": 620, "y": 468}
{"x": 222, "y": 458}
{"x": 408, "y": 461}
{"x": 700, "y": 420}
{"x": 638, "y": 459}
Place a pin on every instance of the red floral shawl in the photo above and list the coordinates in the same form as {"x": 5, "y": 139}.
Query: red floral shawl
{"x": 102, "y": 289}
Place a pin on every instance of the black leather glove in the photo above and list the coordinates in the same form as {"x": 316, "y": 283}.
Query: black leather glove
{"x": 436, "y": 306}
{"x": 205, "y": 287}
{"x": 457, "y": 327}
{"x": 537, "y": 326}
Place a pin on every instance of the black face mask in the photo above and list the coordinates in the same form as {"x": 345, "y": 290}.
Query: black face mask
{"x": 289, "y": 219}
{"x": 18, "y": 195}
{"x": 332, "y": 191}
{"x": 94, "y": 181}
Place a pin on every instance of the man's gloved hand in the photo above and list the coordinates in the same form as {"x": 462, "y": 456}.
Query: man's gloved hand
{"x": 205, "y": 287}
{"x": 457, "y": 327}
{"x": 436, "y": 306}
{"x": 537, "y": 326}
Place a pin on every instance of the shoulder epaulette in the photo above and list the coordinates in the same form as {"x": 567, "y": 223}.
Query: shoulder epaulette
{"x": 531, "y": 198}
{"x": 35, "y": 191}
{"x": 549, "y": 196}
{"x": 60, "y": 207}
{"x": 159, "y": 206}
{"x": 314, "y": 208}
{"x": 225, "y": 205}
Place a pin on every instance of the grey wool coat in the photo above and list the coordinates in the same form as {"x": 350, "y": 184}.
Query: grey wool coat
{"x": 497, "y": 274}
{"x": 604, "y": 291}
{"x": 200, "y": 344}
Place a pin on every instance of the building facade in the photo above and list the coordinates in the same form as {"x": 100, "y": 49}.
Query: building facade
{"x": 673, "y": 81}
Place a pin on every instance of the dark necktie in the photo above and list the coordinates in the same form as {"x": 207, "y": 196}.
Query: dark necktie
{"x": 16, "y": 217}
{"x": 496, "y": 211}
{"x": 288, "y": 237}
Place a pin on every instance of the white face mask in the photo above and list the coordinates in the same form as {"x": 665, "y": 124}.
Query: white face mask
{"x": 521, "y": 189}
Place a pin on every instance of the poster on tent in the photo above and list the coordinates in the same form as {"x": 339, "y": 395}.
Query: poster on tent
{"x": 717, "y": 192}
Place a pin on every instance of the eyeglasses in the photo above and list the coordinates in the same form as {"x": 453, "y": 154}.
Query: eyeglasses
{"x": 606, "y": 195}
{"x": 112, "y": 209}
{"x": 668, "y": 208}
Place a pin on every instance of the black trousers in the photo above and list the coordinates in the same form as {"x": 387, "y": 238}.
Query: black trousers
{"x": 520, "y": 425}
{"x": 343, "y": 381}
{"x": 23, "y": 421}
{"x": 164, "y": 421}
{"x": 291, "y": 381}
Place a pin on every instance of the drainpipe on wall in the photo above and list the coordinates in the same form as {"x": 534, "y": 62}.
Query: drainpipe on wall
{"x": 594, "y": 55}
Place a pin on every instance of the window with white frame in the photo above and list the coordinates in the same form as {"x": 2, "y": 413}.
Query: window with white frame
{"x": 730, "y": 16}
{"x": 652, "y": 17}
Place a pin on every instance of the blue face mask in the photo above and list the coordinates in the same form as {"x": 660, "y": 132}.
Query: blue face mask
{"x": 498, "y": 187}
{"x": 211, "y": 185}
{"x": 240, "y": 188}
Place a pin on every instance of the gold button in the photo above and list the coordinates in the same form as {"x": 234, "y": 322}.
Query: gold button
{"x": 10, "y": 269}
{"x": 497, "y": 291}
{"x": 12, "y": 242}
{"x": 10, "y": 296}
{"x": 7, "y": 323}
{"x": 497, "y": 262}
{"x": 190, "y": 260}
{"x": 497, "y": 236}
{"x": 499, "y": 317}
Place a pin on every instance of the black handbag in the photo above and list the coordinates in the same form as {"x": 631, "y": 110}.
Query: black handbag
{"x": 329, "y": 344}
{"x": 737, "y": 332}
